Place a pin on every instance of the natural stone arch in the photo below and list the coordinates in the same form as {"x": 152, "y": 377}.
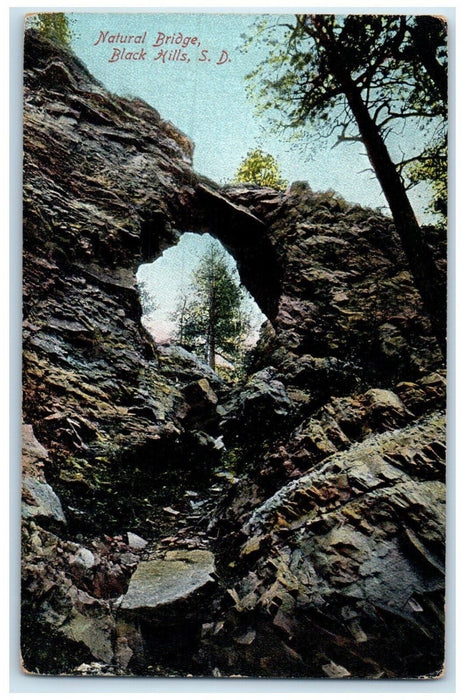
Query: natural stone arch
{"x": 241, "y": 233}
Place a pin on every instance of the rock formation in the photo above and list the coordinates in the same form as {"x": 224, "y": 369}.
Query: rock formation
{"x": 313, "y": 493}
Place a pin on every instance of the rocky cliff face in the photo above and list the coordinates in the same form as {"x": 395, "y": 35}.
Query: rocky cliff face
{"x": 323, "y": 501}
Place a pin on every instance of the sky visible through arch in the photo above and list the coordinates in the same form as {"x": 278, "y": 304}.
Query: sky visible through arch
{"x": 169, "y": 276}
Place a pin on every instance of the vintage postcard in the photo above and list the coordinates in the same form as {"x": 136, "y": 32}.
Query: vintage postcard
{"x": 234, "y": 345}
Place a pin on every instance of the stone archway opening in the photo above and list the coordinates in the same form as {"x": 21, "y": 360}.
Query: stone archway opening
{"x": 168, "y": 282}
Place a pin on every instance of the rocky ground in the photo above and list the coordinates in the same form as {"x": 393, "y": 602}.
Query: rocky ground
{"x": 174, "y": 524}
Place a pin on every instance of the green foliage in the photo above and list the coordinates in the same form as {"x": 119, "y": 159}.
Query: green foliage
{"x": 147, "y": 298}
{"x": 261, "y": 169}
{"x": 55, "y": 26}
{"x": 432, "y": 168}
{"x": 396, "y": 63}
{"x": 425, "y": 55}
{"x": 210, "y": 318}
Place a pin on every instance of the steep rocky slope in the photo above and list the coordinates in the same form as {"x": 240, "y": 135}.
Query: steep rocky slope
{"x": 317, "y": 486}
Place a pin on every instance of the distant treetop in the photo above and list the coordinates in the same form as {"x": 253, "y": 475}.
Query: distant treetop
{"x": 260, "y": 168}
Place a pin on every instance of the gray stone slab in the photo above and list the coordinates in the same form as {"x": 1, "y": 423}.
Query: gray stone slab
{"x": 160, "y": 582}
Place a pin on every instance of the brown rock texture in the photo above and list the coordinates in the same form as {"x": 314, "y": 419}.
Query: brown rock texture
{"x": 326, "y": 518}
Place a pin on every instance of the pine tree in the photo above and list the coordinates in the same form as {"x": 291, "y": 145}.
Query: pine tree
{"x": 147, "y": 298}
{"x": 210, "y": 318}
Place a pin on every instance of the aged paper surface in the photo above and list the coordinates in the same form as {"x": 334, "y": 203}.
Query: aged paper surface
{"x": 234, "y": 345}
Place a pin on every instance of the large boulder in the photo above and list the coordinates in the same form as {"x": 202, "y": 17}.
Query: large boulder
{"x": 162, "y": 613}
{"x": 345, "y": 565}
{"x": 259, "y": 406}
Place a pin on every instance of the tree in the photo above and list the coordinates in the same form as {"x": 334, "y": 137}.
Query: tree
{"x": 431, "y": 167}
{"x": 353, "y": 78}
{"x": 181, "y": 316}
{"x": 260, "y": 168}
{"x": 426, "y": 52}
{"x": 210, "y": 318}
{"x": 55, "y": 26}
{"x": 147, "y": 298}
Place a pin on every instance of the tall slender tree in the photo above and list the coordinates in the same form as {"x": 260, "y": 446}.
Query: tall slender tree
{"x": 352, "y": 78}
{"x": 210, "y": 317}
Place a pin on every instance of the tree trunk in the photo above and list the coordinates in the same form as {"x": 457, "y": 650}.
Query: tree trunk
{"x": 212, "y": 353}
{"x": 430, "y": 283}
{"x": 211, "y": 332}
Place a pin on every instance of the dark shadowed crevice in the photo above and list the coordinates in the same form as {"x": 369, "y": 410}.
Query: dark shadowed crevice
{"x": 156, "y": 235}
